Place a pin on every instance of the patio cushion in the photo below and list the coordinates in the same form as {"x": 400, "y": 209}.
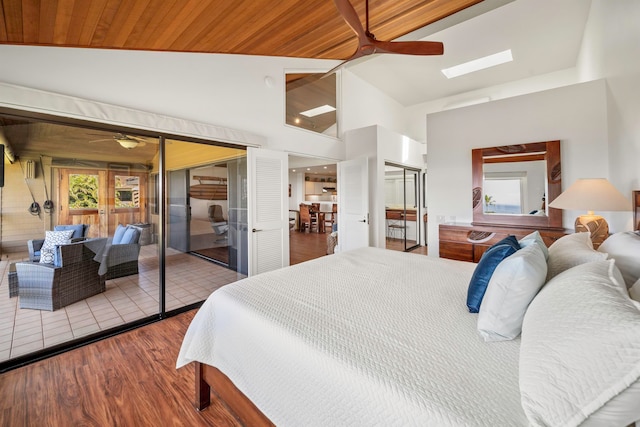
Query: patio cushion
{"x": 130, "y": 236}
{"x": 51, "y": 240}
{"x": 78, "y": 229}
{"x": 117, "y": 236}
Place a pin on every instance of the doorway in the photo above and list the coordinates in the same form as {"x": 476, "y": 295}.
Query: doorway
{"x": 312, "y": 184}
{"x": 101, "y": 198}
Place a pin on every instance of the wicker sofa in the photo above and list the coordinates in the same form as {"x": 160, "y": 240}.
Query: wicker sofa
{"x": 72, "y": 278}
{"x": 35, "y": 245}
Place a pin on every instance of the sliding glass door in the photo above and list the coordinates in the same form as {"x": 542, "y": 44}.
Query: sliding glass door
{"x": 182, "y": 206}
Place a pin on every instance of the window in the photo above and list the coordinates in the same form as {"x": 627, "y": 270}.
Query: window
{"x": 127, "y": 191}
{"x": 311, "y": 102}
{"x": 509, "y": 187}
{"x": 83, "y": 191}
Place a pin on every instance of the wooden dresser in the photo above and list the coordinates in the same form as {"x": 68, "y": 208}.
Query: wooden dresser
{"x": 466, "y": 242}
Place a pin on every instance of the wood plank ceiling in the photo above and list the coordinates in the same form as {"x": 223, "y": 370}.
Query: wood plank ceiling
{"x": 292, "y": 28}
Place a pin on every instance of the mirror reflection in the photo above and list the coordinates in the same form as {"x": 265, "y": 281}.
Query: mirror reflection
{"x": 514, "y": 187}
{"x": 401, "y": 189}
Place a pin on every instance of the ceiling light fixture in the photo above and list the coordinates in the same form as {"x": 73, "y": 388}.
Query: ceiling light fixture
{"x": 127, "y": 143}
{"x": 478, "y": 64}
{"x": 318, "y": 110}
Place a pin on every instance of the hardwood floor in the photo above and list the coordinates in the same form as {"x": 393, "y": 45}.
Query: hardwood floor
{"x": 304, "y": 246}
{"x": 398, "y": 245}
{"x": 127, "y": 380}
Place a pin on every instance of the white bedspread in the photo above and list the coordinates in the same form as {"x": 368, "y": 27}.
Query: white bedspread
{"x": 366, "y": 337}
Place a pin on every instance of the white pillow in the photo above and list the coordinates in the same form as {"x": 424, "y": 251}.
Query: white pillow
{"x": 51, "y": 240}
{"x": 536, "y": 238}
{"x": 580, "y": 352}
{"x": 624, "y": 247}
{"x": 571, "y": 250}
{"x": 513, "y": 285}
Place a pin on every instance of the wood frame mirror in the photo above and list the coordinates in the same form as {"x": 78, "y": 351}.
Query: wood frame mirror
{"x": 548, "y": 151}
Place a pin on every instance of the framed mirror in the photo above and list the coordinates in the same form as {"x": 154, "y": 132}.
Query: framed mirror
{"x": 514, "y": 184}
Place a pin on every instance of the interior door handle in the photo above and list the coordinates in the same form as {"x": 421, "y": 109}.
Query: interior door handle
{"x": 255, "y": 230}
{"x": 362, "y": 220}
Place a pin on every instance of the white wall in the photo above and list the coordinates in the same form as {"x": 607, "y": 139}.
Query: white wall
{"x": 611, "y": 50}
{"x": 364, "y": 105}
{"x": 576, "y": 115}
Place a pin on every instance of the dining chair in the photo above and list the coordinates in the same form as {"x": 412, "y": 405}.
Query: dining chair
{"x": 307, "y": 219}
{"x": 327, "y": 209}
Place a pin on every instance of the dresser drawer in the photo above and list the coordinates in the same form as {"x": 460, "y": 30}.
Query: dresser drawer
{"x": 457, "y": 251}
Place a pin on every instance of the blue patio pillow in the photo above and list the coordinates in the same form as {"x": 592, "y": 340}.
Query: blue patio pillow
{"x": 485, "y": 268}
{"x": 78, "y": 229}
{"x": 130, "y": 236}
{"x": 117, "y": 236}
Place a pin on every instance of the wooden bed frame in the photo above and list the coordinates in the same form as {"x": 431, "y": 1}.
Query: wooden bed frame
{"x": 208, "y": 377}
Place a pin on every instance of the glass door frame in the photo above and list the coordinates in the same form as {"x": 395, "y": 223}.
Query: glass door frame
{"x": 417, "y": 188}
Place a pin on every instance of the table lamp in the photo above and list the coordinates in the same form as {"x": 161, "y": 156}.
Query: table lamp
{"x": 594, "y": 194}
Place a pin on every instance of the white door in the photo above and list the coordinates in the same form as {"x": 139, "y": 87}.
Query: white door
{"x": 268, "y": 243}
{"x": 353, "y": 204}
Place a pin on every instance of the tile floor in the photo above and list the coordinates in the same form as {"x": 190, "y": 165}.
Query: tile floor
{"x": 189, "y": 279}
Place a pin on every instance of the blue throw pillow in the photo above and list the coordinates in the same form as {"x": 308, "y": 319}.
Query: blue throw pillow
{"x": 117, "y": 236}
{"x": 485, "y": 268}
{"x": 78, "y": 229}
{"x": 130, "y": 236}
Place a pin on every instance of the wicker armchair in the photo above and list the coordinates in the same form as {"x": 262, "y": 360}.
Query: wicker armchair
{"x": 35, "y": 245}
{"x": 119, "y": 260}
{"x": 74, "y": 277}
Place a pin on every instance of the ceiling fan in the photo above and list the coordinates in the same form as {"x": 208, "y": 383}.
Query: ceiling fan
{"x": 126, "y": 141}
{"x": 368, "y": 44}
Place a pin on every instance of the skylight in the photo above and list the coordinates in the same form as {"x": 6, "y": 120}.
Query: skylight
{"x": 478, "y": 64}
{"x": 318, "y": 110}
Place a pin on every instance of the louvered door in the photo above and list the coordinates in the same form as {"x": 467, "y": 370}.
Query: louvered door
{"x": 268, "y": 208}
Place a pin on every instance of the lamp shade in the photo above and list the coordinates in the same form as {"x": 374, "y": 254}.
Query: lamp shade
{"x": 594, "y": 194}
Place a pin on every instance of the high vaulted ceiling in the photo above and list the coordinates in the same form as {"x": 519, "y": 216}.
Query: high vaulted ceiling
{"x": 293, "y": 28}
{"x": 545, "y": 35}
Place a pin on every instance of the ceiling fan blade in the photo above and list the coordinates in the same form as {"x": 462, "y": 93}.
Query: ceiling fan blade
{"x": 359, "y": 54}
{"x": 409, "y": 47}
{"x": 334, "y": 69}
{"x": 350, "y": 16}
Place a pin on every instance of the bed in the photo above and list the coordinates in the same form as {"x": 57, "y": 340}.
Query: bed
{"x": 377, "y": 337}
